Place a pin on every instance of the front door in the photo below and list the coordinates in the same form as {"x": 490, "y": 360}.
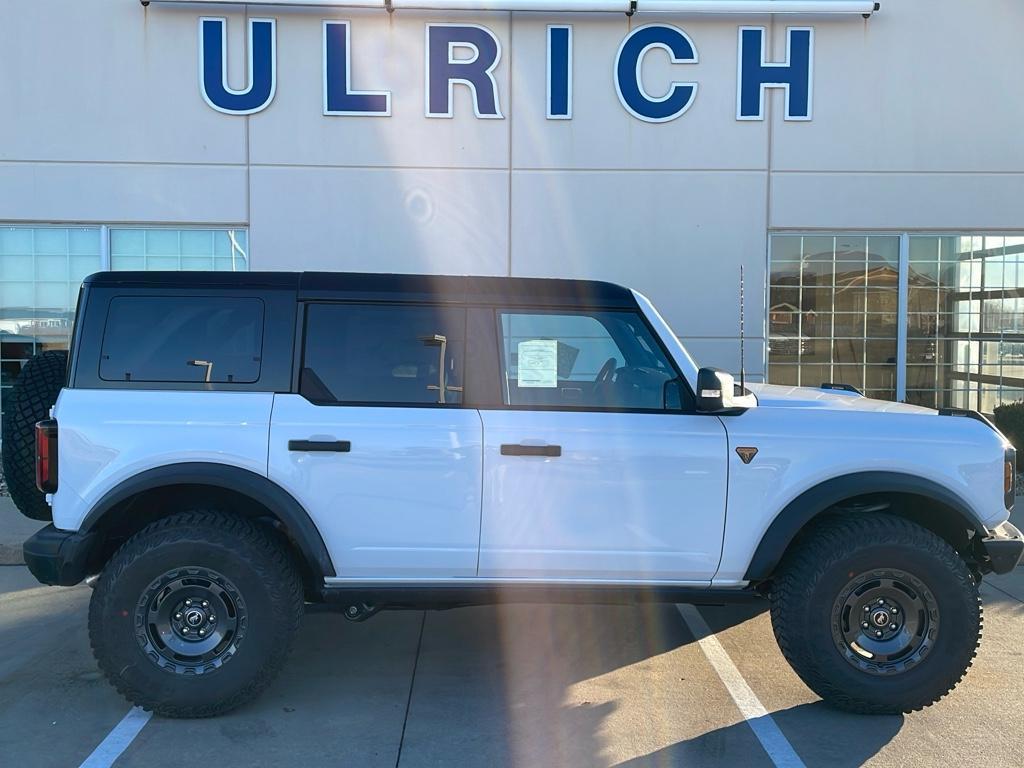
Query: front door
{"x": 593, "y": 471}
{"x": 377, "y": 446}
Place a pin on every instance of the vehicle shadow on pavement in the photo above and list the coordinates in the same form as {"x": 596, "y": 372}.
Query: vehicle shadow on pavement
{"x": 722, "y": 617}
{"x": 821, "y": 736}
{"x": 572, "y": 685}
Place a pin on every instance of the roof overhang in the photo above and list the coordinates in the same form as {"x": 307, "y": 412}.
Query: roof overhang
{"x": 679, "y": 7}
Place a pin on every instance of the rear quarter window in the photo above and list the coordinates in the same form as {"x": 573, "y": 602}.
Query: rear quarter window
{"x": 183, "y": 339}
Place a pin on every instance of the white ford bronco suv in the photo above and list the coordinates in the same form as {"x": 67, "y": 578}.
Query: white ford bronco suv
{"x": 226, "y": 448}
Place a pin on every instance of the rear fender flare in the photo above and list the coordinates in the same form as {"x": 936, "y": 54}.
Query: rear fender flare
{"x": 260, "y": 489}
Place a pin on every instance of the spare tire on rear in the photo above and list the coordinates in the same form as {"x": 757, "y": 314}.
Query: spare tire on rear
{"x": 34, "y": 393}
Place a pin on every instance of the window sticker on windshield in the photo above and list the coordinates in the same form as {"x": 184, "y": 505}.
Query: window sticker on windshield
{"x": 538, "y": 363}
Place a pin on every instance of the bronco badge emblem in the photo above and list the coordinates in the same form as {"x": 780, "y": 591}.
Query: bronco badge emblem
{"x": 747, "y": 454}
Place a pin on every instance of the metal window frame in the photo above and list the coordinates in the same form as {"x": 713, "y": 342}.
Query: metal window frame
{"x": 903, "y": 309}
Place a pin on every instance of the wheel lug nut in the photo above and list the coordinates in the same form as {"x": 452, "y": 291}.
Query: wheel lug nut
{"x": 880, "y": 601}
{"x": 878, "y": 633}
{"x": 205, "y": 604}
{"x": 892, "y": 626}
{"x": 188, "y": 603}
{"x": 863, "y": 625}
{"x": 202, "y": 632}
{"x": 894, "y": 610}
{"x": 184, "y": 630}
{"x": 867, "y": 608}
{"x": 177, "y": 616}
{"x": 212, "y": 618}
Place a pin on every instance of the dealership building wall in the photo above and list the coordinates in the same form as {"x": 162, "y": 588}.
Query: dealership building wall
{"x": 881, "y": 239}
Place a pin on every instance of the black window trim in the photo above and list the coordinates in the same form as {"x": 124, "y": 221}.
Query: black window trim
{"x": 549, "y": 310}
{"x": 300, "y": 354}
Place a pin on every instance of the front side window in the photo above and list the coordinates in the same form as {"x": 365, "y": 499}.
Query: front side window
{"x": 198, "y": 339}
{"x": 400, "y": 355}
{"x": 599, "y": 360}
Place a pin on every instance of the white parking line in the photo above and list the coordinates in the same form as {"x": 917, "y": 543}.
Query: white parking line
{"x": 117, "y": 740}
{"x": 761, "y": 723}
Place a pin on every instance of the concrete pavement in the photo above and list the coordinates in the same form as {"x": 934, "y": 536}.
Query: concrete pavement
{"x": 512, "y": 685}
{"x": 14, "y": 529}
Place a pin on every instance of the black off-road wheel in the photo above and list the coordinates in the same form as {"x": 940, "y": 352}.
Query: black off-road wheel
{"x": 33, "y": 394}
{"x": 195, "y": 615}
{"x": 876, "y": 614}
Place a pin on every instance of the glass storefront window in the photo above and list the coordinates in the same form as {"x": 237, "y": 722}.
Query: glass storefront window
{"x": 835, "y": 316}
{"x": 225, "y": 250}
{"x": 42, "y": 268}
{"x": 978, "y": 316}
{"x": 833, "y": 311}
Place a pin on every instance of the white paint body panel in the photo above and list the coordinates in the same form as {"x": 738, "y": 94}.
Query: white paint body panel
{"x": 109, "y": 436}
{"x": 805, "y": 437}
{"x": 633, "y": 496}
{"x": 425, "y": 494}
{"x": 404, "y": 503}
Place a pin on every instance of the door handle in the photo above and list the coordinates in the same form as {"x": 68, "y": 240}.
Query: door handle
{"x": 334, "y": 446}
{"x": 515, "y": 449}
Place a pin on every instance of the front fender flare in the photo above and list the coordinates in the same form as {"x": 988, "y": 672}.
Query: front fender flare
{"x": 260, "y": 489}
{"x": 823, "y": 496}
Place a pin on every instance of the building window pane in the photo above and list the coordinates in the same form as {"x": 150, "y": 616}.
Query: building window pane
{"x": 833, "y": 310}
{"x": 41, "y": 269}
{"x": 959, "y": 288}
{"x": 159, "y": 249}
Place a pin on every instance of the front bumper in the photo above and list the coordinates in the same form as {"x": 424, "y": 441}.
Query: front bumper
{"x": 59, "y": 557}
{"x": 1003, "y": 548}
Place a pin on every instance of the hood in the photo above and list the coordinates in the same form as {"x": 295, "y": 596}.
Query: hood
{"x": 775, "y": 396}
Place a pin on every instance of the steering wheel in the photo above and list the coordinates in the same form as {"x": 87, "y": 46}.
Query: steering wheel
{"x": 605, "y": 374}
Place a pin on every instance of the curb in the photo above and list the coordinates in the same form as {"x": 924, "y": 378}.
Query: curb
{"x": 10, "y": 554}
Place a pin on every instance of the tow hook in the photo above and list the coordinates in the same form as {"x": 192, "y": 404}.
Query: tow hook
{"x": 360, "y": 611}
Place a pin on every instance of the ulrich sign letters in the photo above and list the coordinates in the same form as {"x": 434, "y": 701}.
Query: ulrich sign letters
{"x": 468, "y": 54}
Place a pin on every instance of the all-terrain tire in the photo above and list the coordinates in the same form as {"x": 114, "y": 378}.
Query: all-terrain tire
{"x": 806, "y": 612}
{"x": 197, "y": 545}
{"x": 33, "y": 394}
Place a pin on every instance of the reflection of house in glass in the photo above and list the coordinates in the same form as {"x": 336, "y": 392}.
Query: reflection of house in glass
{"x": 834, "y": 316}
{"x": 838, "y": 297}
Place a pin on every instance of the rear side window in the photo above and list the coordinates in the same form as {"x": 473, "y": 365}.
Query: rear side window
{"x": 402, "y": 355}
{"x": 183, "y": 339}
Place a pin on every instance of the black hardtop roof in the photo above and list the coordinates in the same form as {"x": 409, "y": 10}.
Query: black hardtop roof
{"x": 368, "y": 286}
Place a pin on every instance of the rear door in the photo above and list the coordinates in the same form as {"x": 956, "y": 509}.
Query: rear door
{"x": 593, "y": 471}
{"x": 377, "y": 445}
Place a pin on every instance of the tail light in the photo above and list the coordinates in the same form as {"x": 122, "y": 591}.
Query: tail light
{"x": 46, "y": 456}
{"x": 1010, "y": 477}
